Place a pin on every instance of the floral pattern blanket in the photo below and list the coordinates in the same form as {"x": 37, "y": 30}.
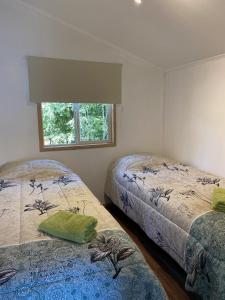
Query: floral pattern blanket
{"x": 36, "y": 266}
{"x": 172, "y": 203}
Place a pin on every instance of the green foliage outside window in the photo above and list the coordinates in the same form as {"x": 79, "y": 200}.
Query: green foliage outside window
{"x": 61, "y": 120}
{"x": 93, "y": 122}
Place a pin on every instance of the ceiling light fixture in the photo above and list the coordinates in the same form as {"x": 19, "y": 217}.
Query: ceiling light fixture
{"x": 138, "y": 2}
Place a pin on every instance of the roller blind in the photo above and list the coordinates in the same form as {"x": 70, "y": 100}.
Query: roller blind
{"x": 62, "y": 80}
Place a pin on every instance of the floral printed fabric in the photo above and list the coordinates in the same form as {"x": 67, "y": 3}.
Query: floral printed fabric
{"x": 57, "y": 269}
{"x": 205, "y": 256}
{"x": 36, "y": 266}
{"x": 34, "y": 190}
{"x": 172, "y": 203}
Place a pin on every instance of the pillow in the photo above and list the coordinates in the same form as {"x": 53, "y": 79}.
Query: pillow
{"x": 38, "y": 169}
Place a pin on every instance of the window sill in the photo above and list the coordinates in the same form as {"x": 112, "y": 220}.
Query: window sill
{"x": 75, "y": 147}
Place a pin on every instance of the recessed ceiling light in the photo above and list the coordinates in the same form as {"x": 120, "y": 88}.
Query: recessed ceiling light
{"x": 138, "y": 2}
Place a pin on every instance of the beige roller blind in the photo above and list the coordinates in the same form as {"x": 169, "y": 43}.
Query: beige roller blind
{"x": 62, "y": 80}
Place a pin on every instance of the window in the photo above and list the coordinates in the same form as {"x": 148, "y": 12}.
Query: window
{"x": 75, "y": 125}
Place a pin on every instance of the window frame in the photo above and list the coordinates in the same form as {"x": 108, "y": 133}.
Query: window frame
{"x": 81, "y": 145}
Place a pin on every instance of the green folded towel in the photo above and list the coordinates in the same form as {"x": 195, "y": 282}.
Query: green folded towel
{"x": 69, "y": 226}
{"x": 218, "y": 199}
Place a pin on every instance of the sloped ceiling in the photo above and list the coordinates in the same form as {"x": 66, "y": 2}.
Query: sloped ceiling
{"x": 166, "y": 33}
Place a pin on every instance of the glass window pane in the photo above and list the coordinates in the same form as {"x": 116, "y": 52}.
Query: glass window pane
{"x": 94, "y": 122}
{"x": 58, "y": 124}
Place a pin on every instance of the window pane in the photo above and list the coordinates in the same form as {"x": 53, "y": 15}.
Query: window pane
{"x": 58, "y": 123}
{"x": 74, "y": 124}
{"x": 94, "y": 122}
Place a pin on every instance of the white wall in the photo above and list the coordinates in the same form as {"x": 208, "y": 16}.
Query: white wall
{"x": 139, "y": 119}
{"x": 195, "y": 115}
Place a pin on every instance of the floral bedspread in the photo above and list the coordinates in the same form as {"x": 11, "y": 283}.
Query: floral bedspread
{"x": 36, "y": 266}
{"x": 172, "y": 203}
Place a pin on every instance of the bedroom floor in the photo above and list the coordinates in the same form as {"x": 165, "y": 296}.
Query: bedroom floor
{"x": 168, "y": 271}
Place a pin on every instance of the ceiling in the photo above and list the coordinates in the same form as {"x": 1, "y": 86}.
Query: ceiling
{"x": 166, "y": 33}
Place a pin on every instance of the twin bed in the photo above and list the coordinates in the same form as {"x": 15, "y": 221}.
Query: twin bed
{"x": 36, "y": 266}
{"x": 171, "y": 202}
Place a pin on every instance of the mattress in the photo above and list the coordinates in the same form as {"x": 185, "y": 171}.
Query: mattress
{"x": 171, "y": 202}
{"x": 34, "y": 265}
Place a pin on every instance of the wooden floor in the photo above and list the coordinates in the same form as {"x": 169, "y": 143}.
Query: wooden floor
{"x": 167, "y": 270}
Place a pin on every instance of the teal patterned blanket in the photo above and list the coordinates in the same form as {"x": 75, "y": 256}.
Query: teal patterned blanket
{"x": 171, "y": 202}
{"x": 110, "y": 267}
{"x": 34, "y": 266}
{"x": 205, "y": 256}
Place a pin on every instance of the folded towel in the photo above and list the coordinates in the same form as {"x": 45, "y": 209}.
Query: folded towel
{"x": 218, "y": 199}
{"x": 69, "y": 226}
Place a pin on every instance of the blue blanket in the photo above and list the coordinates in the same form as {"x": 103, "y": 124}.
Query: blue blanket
{"x": 205, "y": 256}
{"x": 111, "y": 267}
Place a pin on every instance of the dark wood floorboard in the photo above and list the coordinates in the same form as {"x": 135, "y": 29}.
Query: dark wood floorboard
{"x": 167, "y": 270}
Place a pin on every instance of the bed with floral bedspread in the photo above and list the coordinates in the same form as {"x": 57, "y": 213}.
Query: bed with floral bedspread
{"x": 36, "y": 266}
{"x": 172, "y": 203}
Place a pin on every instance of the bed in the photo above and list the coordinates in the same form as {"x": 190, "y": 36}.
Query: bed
{"x": 36, "y": 266}
{"x": 171, "y": 202}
